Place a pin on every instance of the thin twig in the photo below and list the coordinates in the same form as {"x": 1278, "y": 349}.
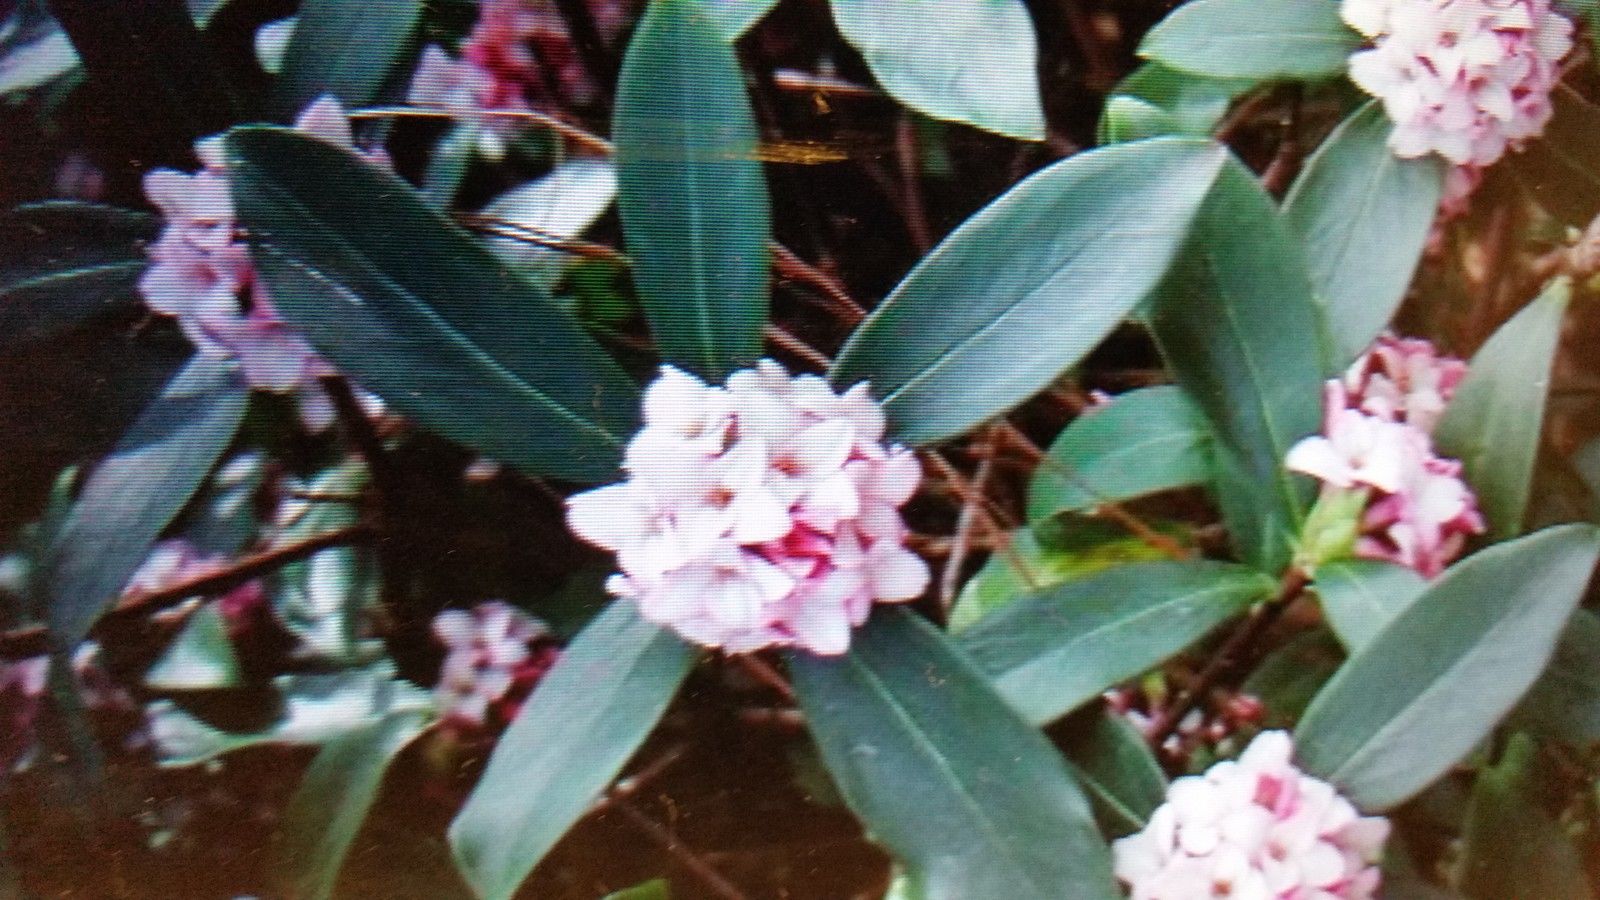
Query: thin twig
{"x": 786, "y": 339}
{"x": 574, "y": 133}
{"x": 993, "y": 517}
{"x": 905, "y": 146}
{"x": 1232, "y": 653}
{"x": 962, "y": 541}
{"x": 669, "y": 842}
{"x": 789, "y": 265}
{"x": 759, "y": 669}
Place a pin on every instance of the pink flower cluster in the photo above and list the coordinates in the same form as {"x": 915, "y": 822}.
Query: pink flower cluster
{"x": 488, "y": 660}
{"x": 504, "y": 60}
{"x": 1377, "y": 438}
{"x": 763, "y": 513}
{"x": 1466, "y": 79}
{"x": 201, "y": 272}
{"x": 1254, "y": 829}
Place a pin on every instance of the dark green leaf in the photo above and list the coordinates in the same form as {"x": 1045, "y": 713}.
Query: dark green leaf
{"x": 448, "y": 164}
{"x": 1146, "y": 441}
{"x": 650, "y": 890}
{"x": 968, "y": 797}
{"x": 1562, "y": 168}
{"x": 136, "y": 491}
{"x": 1291, "y": 675}
{"x": 1116, "y": 767}
{"x": 345, "y": 49}
{"x": 1237, "y": 322}
{"x": 991, "y": 82}
{"x": 423, "y": 315}
{"x": 1084, "y": 241}
{"x": 1045, "y": 555}
{"x": 200, "y": 658}
{"x": 328, "y": 808}
{"x": 1254, "y": 39}
{"x": 1494, "y": 421}
{"x": 1439, "y": 677}
{"x": 588, "y": 715}
{"x": 691, "y": 192}
{"x": 1565, "y": 702}
{"x": 1360, "y": 596}
{"x": 1362, "y": 215}
{"x": 560, "y": 205}
{"x": 62, "y": 263}
{"x": 1514, "y": 850}
{"x": 1049, "y": 652}
{"x": 1156, "y": 100}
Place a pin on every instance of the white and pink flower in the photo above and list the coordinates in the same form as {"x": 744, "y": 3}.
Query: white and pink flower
{"x": 1378, "y": 422}
{"x": 201, "y": 273}
{"x": 763, "y": 513}
{"x": 1254, "y": 829}
{"x": 1465, "y": 79}
{"x": 488, "y": 657}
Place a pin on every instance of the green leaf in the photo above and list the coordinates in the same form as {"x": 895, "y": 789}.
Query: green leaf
{"x": 972, "y": 800}
{"x": 1361, "y": 596}
{"x": 320, "y": 600}
{"x": 344, "y": 49}
{"x": 200, "y": 658}
{"x": 1052, "y": 651}
{"x": 1045, "y": 555}
{"x": 1067, "y": 253}
{"x": 1362, "y": 215}
{"x": 558, "y": 206}
{"x": 1291, "y": 676}
{"x": 1262, "y": 39}
{"x": 1439, "y": 677}
{"x": 136, "y": 491}
{"x": 1237, "y": 323}
{"x": 327, "y": 810}
{"x": 1116, "y": 768}
{"x": 34, "y": 51}
{"x": 1513, "y": 849}
{"x": 655, "y": 889}
{"x": 733, "y": 18}
{"x": 1494, "y": 421}
{"x": 1148, "y": 440}
{"x": 992, "y": 81}
{"x": 63, "y": 263}
{"x": 422, "y": 314}
{"x": 312, "y": 711}
{"x": 1565, "y": 703}
{"x": 448, "y": 163}
{"x": 1156, "y": 100}
{"x": 691, "y": 191}
{"x": 586, "y": 717}
{"x": 1562, "y": 168}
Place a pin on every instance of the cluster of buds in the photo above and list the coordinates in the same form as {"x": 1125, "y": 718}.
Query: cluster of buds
{"x": 1466, "y": 79}
{"x": 1200, "y": 733}
{"x": 201, "y": 273}
{"x": 1257, "y": 828}
{"x": 517, "y": 49}
{"x": 494, "y": 654}
{"x": 764, "y": 513}
{"x": 1375, "y": 458}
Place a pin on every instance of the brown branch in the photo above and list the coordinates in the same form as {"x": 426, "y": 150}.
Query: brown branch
{"x": 1233, "y": 653}
{"x": 679, "y": 851}
{"x": 962, "y": 540}
{"x": 905, "y": 146}
{"x": 762, "y": 671}
{"x": 786, "y": 339}
{"x": 789, "y": 265}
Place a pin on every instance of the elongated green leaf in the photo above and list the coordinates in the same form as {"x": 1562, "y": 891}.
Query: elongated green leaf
{"x": 1044, "y": 555}
{"x": 1494, "y": 421}
{"x": 655, "y": 889}
{"x": 1116, "y": 768}
{"x": 587, "y": 716}
{"x": 1362, "y": 215}
{"x": 967, "y": 796}
{"x": 691, "y": 192}
{"x": 1146, "y": 441}
{"x": 328, "y": 808}
{"x": 1428, "y": 688}
{"x": 1050, "y": 652}
{"x": 1514, "y": 850}
{"x": 136, "y": 491}
{"x": 1361, "y": 596}
{"x": 560, "y": 206}
{"x": 62, "y": 263}
{"x": 423, "y": 315}
{"x": 1565, "y": 703}
{"x": 1156, "y": 100}
{"x": 200, "y": 658}
{"x": 992, "y": 82}
{"x": 1562, "y": 168}
{"x": 734, "y": 17}
{"x": 344, "y": 49}
{"x": 1237, "y": 323}
{"x": 1085, "y": 240}
{"x": 1254, "y": 39}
